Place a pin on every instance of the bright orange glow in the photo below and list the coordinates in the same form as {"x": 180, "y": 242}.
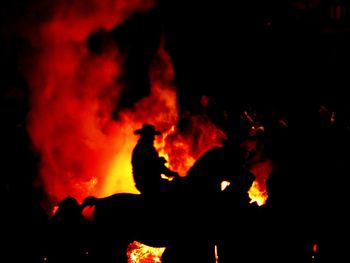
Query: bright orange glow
{"x": 259, "y": 165}
{"x": 257, "y": 194}
{"x": 261, "y": 170}
{"x": 224, "y": 184}
{"x": 73, "y": 94}
{"x": 140, "y": 253}
{"x": 83, "y": 150}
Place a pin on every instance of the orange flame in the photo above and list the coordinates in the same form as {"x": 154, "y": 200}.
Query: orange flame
{"x": 261, "y": 170}
{"x": 259, "y": 165}
{"x": 73, "y": 95}
{"x": 88, "y": 212}
{"x": 140, "y": 253}
{"x": 74, "y": 92}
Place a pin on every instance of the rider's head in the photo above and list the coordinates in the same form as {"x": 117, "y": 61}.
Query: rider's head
{"x": 147, "y": 131}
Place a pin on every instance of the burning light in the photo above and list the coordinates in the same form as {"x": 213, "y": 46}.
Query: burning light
{"x": 88, "y": 212}
{"x": 261, "y": 170}
{"x": 54, "y": 210}
{"x": 216, "y": 254}
{"x": 224, "y": 184}
{"x": 73, "y": 93}
{"x": 140, "y": 253}
{"x": 257, "y": 195}
{"x": 83, "y": 150}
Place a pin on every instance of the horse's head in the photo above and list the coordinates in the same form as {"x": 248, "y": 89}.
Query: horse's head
{"x": 89, "y": 201}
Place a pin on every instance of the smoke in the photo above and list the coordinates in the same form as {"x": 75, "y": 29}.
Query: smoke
{"x": 76, "y": 85}
{"x": 73, "y": 93}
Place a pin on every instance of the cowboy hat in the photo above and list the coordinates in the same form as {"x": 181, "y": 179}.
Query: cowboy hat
{"x": 147, "y": 129}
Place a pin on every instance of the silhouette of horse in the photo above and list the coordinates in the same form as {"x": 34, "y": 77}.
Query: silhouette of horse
{"x": 122, "y": 218}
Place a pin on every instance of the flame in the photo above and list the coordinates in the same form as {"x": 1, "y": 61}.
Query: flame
{"x": 162, "y": 99}
{"x": 73, "y": 92}
{"x": 261, "y": 170}
{"x": 88, "y": 212}
{"x": 258, "y": 163}
{"x": 83, "y": 150}
{"x": 140, "y": 253}
{"x": 224, "y": 184}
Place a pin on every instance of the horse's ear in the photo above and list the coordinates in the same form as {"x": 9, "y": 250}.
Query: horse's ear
{"x": 89, "y": 201}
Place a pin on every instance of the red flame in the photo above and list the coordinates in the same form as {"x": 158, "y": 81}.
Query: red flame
{"x": 83, "y": 150}
{"x": 73, "y": 94}
{"x": 260, "y": 165}
{"x": 261, "y": 170}
{"x": 88, "y": 212}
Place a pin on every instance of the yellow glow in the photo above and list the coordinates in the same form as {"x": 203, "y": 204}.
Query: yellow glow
{"x": 140, "y": 253}
{"x": 224, "y": 184}
{"x": 119, "y": 175}
{"x": 256, "y": 194}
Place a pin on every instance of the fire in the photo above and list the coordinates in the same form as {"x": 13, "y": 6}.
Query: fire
{"x": 88, "y": 212}
{"x": 162, "y": 99}
{"x": 224, "y": 184}
{"x": 140, "y": 253}
{"x": 83, "y": 150}
{"x": 256, "y": 162}
{"x": 257, "y": 194}
{"x": 261, "y": 170}
{"x": 73, "y": 92}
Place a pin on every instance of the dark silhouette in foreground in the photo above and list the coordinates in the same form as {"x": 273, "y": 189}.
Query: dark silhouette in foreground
{"x": 68, "y": 233}
{"x": 190, "y": 221}
{"x": 148, "y": 166}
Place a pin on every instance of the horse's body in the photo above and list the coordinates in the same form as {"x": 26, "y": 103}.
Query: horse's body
{"x": 162, "y": 221}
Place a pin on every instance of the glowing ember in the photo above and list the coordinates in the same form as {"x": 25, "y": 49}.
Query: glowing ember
{"x": 54, "y": 210}
{"x": 332, "y": 120}
{"x": 216, "y": 254}
{"x": 257, "y": 195}
{"x": 140, "y": 253}
{"x": 258, "y": 164}
{"x": 224, "y": 184}
{"x": 261, "y": 171}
